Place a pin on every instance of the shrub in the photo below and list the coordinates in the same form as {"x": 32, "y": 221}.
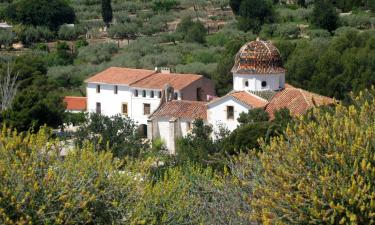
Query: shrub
{"x": 38, "y": 186}
{"x": 7, "y": 38}
{"x": 97, "y": 54}
{"x": 70, "y": 33}
{"x": 358, "y": 21}
{"x": 322, "y": 171}
{"x": 324, "y": 15}
{"x": 30, "y": 34}
{"x": 318, "y": 33}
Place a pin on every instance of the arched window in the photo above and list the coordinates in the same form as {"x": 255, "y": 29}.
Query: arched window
{"x": 247, "y": 83}
{"x": 144, "y": 93}
{"x": 136, "y": 93}
{"x": 152, "y": 94}
{"x": 264, "y": 84}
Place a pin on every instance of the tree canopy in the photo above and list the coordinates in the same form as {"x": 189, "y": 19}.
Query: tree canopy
{"x": 50, "y": 13}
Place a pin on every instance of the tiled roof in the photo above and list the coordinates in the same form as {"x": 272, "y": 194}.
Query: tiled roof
{"x": 249, "y": 99}
{"x": 258, "y": 57}
{"x": 245, "y": 97}
{"x": 75, "y": 103}
{"x": 298, "y": 101}
{"x": 117, "y": 75}
{"x": 158, "y": 81}
{"x": 182, "y": 109}
{"x": 143, "y": 78}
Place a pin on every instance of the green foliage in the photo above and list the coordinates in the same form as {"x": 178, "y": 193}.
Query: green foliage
{"x": 324, "y": 15}
{"x": 116, "y": 133}
{"x": 318, "y": 33}
{"x": 50, "y": 13}
{"x": 123, "y": 30}
{"x": 164, "y": 5}
{"x": 331, "y": 63}
{"x": 7, "y": 38}
{"x": 37, "y": 186}
{"x": 254, "y": 13}
{"x": 107, "y": 14}
{"x": 197, "y": 145}
{"x": 97, "y": 54}
{"x": 31, "y": 34}
{"x": 69, "y": 33}
{"x": 253, "y": 116}
{"x": 223, "y": 77}
{"x": 61, "y": 56}
{"x": 74, "y": 119}
{"x": 322, "y": 171}
{"x": 191, "y": 31}
{"x": 33, "y": 108}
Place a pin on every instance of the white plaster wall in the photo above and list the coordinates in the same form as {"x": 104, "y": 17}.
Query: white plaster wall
{"x": 163, "y": 131}
{"x": 111, "y": 103}
{"x": 217, "y": 113}
{"x": 274, "y": 82}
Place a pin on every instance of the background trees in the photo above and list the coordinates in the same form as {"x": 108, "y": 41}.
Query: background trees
{"x": 252, "y": 14}
{"x": 50, "y": 13}
{"x": 107, "y": 12}
{"x": 324, "y": 15}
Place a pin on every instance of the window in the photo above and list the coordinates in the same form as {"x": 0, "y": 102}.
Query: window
{"x": 188, "y": 126}
{"x": 115, "y": 89}
{"x": 98, "y": 108}
{"x": 247, "y": 83}
{"x": 175, "y": 96}
{"x": 98, "y": 88}
{"x": 264, "y": 84}
{"x": 230, "y": 112}
{"x": 146, "y": 109}
{"x": 159, "y": 94}
{"x": 144, "y": 93}
{"x": 124, "y": 109}
{"x": 136, "y": 93}
{"x": 199, "y": 94}
{"x": 152, "y": 94}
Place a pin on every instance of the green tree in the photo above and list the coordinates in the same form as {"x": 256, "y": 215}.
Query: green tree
{"x": 33, "y": 108}
{"x": 252, "y": 14}
{"x": 191, "y": 31}
{"x": 123, "y": 31}
{"x": 253, "y": 115}
{"x": 118, "y": 134}
{"x": 50, "y": 13}
{"x": 197, "y": 145}
{"x": 324, "y": 15}
{"x": 107, "y": 12}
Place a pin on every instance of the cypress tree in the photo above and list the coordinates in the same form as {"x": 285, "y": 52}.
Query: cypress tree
{"x": 107, "y": 12}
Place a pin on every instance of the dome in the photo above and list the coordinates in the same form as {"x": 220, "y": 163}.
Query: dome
{"x": 258, "y": 57}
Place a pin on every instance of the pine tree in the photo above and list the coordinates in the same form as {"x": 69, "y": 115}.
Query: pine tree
{"x": 107, "y": 12}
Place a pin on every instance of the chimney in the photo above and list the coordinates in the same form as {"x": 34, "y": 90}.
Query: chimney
{"x": 166, "y": 70}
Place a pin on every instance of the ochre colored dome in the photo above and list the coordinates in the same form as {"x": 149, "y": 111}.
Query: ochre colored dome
{"x": 258, "y": 57}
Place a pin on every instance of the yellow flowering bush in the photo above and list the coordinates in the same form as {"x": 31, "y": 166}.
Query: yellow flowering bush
{"x": 322, "y": 171}
{"x": 38, "y": 186}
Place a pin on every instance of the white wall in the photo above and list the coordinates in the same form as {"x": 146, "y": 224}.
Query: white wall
{"x": 111, "y": 103}
{"x": 217, "y": 113}
{"x": 274, "y": 82}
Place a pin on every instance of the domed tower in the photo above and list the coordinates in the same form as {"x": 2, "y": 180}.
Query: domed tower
{"x": 258, "y": 67}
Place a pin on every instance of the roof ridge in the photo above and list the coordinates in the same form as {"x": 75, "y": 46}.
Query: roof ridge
{"x": 130, "y": 84}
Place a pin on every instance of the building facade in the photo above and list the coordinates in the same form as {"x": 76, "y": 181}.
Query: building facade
{"x": 166, "y": 104}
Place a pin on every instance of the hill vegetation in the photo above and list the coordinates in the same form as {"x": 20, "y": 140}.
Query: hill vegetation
{"x": 318, "y": 168}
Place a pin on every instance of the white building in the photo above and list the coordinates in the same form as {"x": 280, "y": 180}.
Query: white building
{"x": 137, "y": 93}
{"x": 165, "y": 104}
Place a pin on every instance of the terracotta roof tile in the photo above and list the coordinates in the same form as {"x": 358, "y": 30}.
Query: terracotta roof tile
{"x": 258, "y": 57}
{"x": 249, "y": 99}
{"x": 298, "y": 101}
{"x": 158, "y": 81}
{"x": 117, "y": 75}
{"x": 245, "y": 97}
{"x": 75, "y": 103}
{"x": 182, "y": 109}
